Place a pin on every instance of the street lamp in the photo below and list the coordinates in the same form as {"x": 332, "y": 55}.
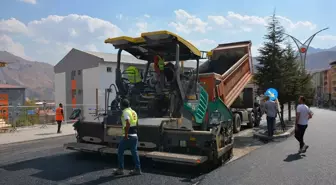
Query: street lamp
{"x": 303, "y": 48}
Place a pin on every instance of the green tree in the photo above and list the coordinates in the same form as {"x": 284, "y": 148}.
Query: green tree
{"x": 278, "y": 67}
{"x": 305, "y": 86}
{"x": 290, "y": 72}
{"x": 271, "y": 55}
{"x": 299, "y": 82}
{"x": 270, "y": 71}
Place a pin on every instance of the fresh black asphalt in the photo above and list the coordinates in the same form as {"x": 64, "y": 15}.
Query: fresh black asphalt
{"x": 46, "y": 162}
{"x": 279, "y": 163}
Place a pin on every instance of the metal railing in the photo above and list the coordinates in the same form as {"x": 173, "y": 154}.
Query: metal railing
{"x": 18, "y": 116}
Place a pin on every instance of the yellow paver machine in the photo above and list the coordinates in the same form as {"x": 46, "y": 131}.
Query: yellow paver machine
{"x": 186, "y": 117}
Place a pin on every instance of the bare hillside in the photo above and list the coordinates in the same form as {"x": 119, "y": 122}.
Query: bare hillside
{"x": 37, "y": 77}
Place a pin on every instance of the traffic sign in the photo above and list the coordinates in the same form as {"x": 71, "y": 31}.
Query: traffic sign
{"x": 272, "y": 93}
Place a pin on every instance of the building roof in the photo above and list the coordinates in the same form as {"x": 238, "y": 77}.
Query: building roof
{"x": 317, "y": 70}
{"x": 130, "y": 59}
{"x": 8, "y": 86}
{"x": 112, "y": 57}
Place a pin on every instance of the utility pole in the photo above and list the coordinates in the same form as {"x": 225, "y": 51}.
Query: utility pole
{"x": 303, "y": 47}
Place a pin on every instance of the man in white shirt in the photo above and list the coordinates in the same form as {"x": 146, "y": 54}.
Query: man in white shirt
{"x": 303, "y": 114}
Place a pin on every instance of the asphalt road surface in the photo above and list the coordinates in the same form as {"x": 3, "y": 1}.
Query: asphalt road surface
{"x": 279, "y": 163}
{"x": 46, "y": 162}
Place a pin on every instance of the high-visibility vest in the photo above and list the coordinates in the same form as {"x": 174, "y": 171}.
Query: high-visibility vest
{"x": 59, "y": 116}
{"x": 133, "y": 74}
{"x": 133, "y": 120}
{"x": 161, "y": 63}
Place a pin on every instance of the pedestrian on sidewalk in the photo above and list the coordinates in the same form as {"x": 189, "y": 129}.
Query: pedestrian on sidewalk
{"x": 271, "y": 109}
{"x": 303, "y": 114}
{"x": 129, "y": 119}
{"x": 59, "y": 117}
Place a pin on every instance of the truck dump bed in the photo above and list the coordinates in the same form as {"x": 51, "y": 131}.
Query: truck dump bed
{"x": 228, "y": 71}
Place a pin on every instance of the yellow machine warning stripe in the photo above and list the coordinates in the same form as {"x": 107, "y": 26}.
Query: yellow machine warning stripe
{"x": 209, "y": 53}
{"x": 135, "y": 40}
{"x": 192, "y": 48}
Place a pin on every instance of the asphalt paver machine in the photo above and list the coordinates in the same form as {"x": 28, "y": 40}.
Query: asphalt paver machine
{"x": 188, "y": 121}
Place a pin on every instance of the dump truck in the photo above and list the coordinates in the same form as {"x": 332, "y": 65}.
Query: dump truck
{"x": 229, "y": 73}
{"x": 188, "y": 121}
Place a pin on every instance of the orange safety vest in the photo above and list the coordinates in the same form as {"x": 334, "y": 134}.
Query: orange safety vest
{"x": 59, "y": 116}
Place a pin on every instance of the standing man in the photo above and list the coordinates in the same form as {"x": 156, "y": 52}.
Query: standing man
{"x": 129, "y": 119}
{"x": 303, "y": 114}
{"x": 59, "y": 117}
{"x": 271, "y": 109}
{"x": 159, "y": 63}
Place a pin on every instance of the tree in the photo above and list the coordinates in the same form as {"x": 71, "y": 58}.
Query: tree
{"x": 300, "y": 82}
{"x": 305, "y": 86}
{"x": 291, "y": 69}
{"x": 272, "y": 65}
{"x": 271, "y": 55}
{"x": 278, "y": 67}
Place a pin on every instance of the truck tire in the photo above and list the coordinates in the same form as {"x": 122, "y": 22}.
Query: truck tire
{"x": 251, "y": 118}
{"x": 236, "y": 123}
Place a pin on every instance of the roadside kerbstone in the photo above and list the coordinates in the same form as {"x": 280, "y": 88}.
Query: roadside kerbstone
{"x": 279, "y": 133}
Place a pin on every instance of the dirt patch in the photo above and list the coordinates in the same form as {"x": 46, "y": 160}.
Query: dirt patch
{"x": 244, "y": 144}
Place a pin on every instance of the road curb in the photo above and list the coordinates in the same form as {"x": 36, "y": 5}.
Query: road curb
{"x": 30, "y": 140}
{"x": 286, "y": 134}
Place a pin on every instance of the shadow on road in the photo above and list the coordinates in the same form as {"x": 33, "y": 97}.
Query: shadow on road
{"x": 66, "y": 166}
{"x": 294, "y": 157}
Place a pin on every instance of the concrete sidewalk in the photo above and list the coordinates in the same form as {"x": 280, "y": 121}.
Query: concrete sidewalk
{"x": 35, "y": 133}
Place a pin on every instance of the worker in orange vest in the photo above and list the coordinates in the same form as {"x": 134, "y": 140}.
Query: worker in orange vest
{"x": 59, "y": 117}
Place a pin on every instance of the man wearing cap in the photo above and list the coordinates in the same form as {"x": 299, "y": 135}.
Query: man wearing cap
{"x": 129, "y": 120}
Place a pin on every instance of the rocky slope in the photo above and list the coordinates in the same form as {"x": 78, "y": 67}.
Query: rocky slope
{"x": 37, "y": 77}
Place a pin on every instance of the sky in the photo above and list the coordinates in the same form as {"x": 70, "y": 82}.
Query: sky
{"x": 46, "y": 30}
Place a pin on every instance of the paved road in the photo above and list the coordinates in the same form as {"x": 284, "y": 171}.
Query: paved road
{"x": 46, "y": 162}
{"x": 278, "y": 163}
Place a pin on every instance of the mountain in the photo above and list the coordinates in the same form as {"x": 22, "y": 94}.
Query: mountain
{"x": 37, "y": 77}
{"x": 320, "y": 60}
{"x": 316, "y": 58}
{"x": 313, "y": 50}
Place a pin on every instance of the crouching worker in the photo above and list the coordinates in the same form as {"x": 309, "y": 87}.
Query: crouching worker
{"x": 130, "y": 141}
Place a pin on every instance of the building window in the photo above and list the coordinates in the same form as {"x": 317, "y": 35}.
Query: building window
{"x": 109, "y": 69}
{"x": 73, "y": 74}
{"x": 79, "y": 72}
